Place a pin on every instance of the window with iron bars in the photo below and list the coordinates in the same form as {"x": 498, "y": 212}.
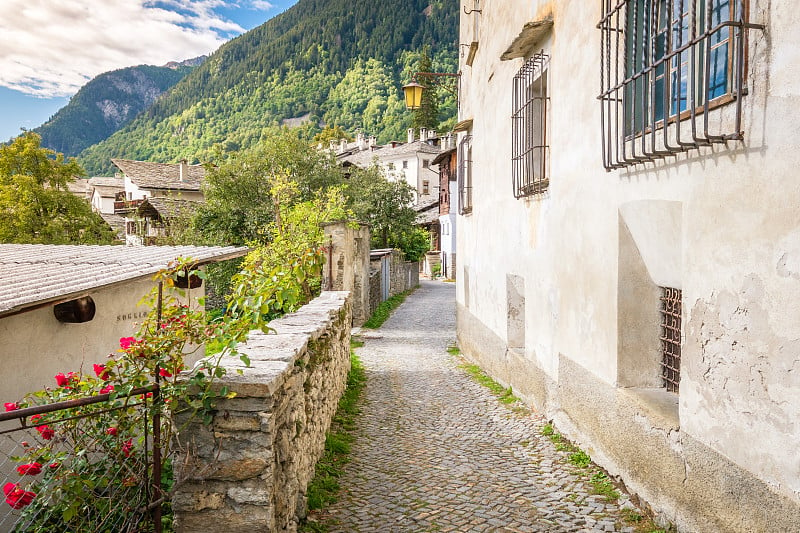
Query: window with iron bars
{"x": 465, "y": 175}
{"x": 530, "y": 150}
{"x": 664, "y": 65}
{"x": 671, "y": 310}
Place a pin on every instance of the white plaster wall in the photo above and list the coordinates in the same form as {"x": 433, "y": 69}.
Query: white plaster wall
{"x": 739, "y": 234}
{"x": 133, "y": 192}
{"x": 34, "y": 346}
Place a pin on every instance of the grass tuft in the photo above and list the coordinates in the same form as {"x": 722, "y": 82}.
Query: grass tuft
{"x": 323, "y": 489}
{"x": 384, "y": 310}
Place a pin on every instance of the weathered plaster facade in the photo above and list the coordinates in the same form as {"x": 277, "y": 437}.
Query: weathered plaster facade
{"x": 558, "y": 292}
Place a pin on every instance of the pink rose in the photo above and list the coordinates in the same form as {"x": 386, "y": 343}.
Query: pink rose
{"x": 12, "y": 406}
{"x": 101, "y": 371}
{"x": 61, "y": 379}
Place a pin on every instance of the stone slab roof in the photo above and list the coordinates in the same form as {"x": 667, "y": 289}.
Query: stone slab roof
{"x": 365, "y": 158}
{"x": 36, "y": 274}
{"x": 167, "y": 207}
{"x": 147, "y": 175}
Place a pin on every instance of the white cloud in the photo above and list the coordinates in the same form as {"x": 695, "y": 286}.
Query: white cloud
{"x": 261, "y": 5}
{"x": 53, "y": 47}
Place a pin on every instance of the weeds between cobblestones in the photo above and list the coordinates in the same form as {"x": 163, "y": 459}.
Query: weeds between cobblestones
{"x": 385, "y": 309}
{"x": 601, "y": 484}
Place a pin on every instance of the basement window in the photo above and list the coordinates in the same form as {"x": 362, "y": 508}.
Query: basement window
{"x": 530, "y": 150}
{"x": 671, "y": 310}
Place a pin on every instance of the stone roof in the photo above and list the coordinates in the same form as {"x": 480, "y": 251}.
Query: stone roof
{"x": 167, "y": 207}
{"x": 365, "y": 158}
{"x": 77, "y": 186}
{"x": 36, "y": 274}
{"x": 147, "y": 175}
{"x": 427, "y": 211}
{"x": 116, "y": 223}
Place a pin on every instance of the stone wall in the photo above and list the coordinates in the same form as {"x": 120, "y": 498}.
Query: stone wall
{"x": 347, "y": 265}
{"x": 248, "y": 470}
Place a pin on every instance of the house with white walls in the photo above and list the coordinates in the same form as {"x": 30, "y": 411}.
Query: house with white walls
{"x": 629, "y": 240}
{"x": 410, "y": 161}
{"x": 180, "y": 182}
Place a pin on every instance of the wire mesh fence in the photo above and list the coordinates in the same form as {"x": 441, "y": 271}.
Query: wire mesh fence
{"x": 84, "y": 465}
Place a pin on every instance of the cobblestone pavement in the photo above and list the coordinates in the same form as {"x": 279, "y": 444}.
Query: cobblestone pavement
{"x": 435, "y": 451}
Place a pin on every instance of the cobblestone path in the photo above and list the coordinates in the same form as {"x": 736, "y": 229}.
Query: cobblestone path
{"x": 435, "y": 451}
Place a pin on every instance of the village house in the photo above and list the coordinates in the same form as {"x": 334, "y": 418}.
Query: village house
{"x": 629, "y": 240}
{"x": 448, "y": 194}
{"x": 102, "y": 193}
{"x": 64, "y": 308}
{"x": 410, "y": 161}
{"x": 180, "y": 182}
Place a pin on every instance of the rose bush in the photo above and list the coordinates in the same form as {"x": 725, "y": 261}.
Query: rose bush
{"x": 98, "y": 455}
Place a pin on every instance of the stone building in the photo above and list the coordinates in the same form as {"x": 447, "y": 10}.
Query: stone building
{"x": 629, "y": 240}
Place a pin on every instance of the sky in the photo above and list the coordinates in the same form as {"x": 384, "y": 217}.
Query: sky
{"x": 50, "y": 48}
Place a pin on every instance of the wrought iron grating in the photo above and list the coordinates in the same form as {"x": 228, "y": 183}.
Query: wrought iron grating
{"x": 671, "y": 310}
{"x": 530, "y": 148}
{"x": 664, "y": 65}
{"x": 465, "y": 175}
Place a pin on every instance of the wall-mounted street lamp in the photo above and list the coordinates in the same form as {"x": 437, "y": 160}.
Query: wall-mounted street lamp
{"x": 413, "y": 90}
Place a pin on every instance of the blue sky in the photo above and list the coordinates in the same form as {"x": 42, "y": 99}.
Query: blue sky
{"x": 50, "y": 48}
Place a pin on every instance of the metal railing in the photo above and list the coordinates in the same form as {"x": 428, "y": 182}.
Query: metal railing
{"x": 63, "y": 470}
{"x": 671, "y": 311}
{"x": 529, "y": 144}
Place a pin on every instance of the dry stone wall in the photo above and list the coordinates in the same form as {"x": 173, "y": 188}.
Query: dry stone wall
{"x": 248, "y": 470}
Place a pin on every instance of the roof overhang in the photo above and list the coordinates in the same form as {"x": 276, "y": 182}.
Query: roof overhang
{"x": 532, "y": 32}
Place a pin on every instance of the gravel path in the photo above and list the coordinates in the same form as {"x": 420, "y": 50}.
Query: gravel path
{"x": 436, "y": 451}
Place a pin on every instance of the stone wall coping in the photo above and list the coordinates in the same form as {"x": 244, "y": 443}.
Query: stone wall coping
{"x": 273, "y": 354}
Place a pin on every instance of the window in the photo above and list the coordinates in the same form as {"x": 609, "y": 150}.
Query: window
{"x": 426, "y": 163}
{"x": 425, "y": 187}
{"x": 664, "y": 65}
{"x": 390, "y": 166}
{"x": 465, "y": 175}
{"x": 529, "y": 128}
{"x": 671, "y": 310}
{"x": 405, "y": 164}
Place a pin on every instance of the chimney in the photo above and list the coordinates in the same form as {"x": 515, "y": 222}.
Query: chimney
{"x": 372, "y": 141}
{"x": 432, "y": 134}
{"x": 183, "y": 170}
{"x": 343, "y": 145}
{"x": 410, "y": 135}
{"x": 360, "y": 141}
{"x": 423, "y": 134}
{"x": 332, "y": 145}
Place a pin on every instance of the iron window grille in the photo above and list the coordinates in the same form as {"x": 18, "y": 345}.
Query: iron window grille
{"x": 530, "y": 150}
{"x": 671, "y": 310}
{"x": 663, "y": 65}
{"x": 465, "y": 175}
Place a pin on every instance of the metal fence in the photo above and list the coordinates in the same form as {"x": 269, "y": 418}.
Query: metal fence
{"x": 65, "y": 469}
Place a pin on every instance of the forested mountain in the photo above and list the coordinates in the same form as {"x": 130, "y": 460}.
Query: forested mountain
{"x": 335, "y": 62}
{"x": 107, "y": 103}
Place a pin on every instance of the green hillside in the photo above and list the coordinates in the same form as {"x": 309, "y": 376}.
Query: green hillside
{"x": 320, "y": 62}
{"x": 105, "y": 104}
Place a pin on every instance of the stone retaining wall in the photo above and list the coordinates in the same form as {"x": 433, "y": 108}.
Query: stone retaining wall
{"x": 248, "y": 470}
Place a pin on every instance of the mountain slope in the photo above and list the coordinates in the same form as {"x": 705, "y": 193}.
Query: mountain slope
{"x": 107, "y": 103}
{"x": 331, "y": 61}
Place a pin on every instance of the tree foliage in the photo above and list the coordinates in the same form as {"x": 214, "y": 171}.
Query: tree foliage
{"x": 385, "y": 205}
{"x": 240, "y": 201}
{"x": 427, "y": 115}
{"x": 35, "y": 204}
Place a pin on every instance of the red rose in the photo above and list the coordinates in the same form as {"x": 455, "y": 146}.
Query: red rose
{"x": 111, "y": 431}
{"x": 54, "y": 466}
{"x": 107, "y": 389}
{"x": 127, "y": 447}
{"x": 13, "y": 406}
{"x": 148, "y": 395}
{"x": 72, "y": 376}
{"x": 35, "y": 419}
{"x": 16, "y": 497}
{"x": 101, "y": 371}
{"x": 164, "y": 373}
{"x": 61, "y": 379}
{"x": 46, "y": 432}
{"x": 30, "y": 469}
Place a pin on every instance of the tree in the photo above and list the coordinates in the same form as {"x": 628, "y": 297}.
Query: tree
{"x": 427, "y": 116}
{"x": 35, "y": 204}
{"x": 240, "y": 204}
{"x": 386, "y": 206}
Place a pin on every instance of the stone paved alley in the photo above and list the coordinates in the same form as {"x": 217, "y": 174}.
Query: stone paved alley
{"x": 435, "y": 451}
